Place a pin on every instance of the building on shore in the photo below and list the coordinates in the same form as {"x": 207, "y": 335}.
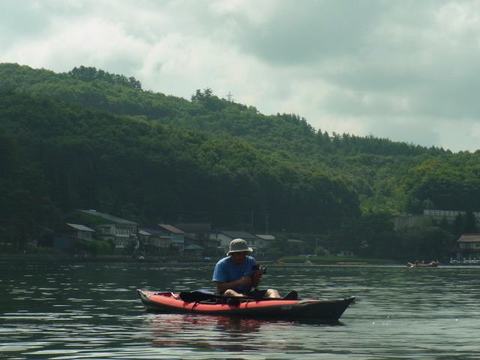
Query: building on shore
{"x": 265, "y": 243}
{"x": 121, "y": 232}
{"x": 469, "y": 246}
{"x": 224, "y": 237}
{"x": 448, "y": 215}
{"x": 197, "y": 239}
{"x": 408, "y": 221}
{"x": 72, "y": 235}
{"x": 154, "y": 241}
{"x": 162, "y": 239}
{"x": 430, "y": 217}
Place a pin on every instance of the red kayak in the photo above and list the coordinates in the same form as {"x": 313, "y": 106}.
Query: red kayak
{"x": 306, "y": 309}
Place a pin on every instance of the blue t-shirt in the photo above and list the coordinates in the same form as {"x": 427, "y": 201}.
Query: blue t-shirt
{"x": 226, "y": 270}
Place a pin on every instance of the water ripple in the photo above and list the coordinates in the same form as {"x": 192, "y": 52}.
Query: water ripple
{"x": 62, "y": 311}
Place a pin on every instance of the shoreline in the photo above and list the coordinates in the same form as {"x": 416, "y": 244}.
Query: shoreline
{"x": 100, "y": 258}
{"x": 167, "y": 260}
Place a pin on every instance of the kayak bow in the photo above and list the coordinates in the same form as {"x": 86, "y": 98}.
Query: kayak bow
{"x": 306, "y": 309}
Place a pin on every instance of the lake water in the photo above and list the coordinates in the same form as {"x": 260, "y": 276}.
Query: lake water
{"x": 91, "y": 310}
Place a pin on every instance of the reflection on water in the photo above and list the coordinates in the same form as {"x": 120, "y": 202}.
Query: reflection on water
{"x": 222, "y": 334}
{"x": 205, "y": 332}
{"x": 90, "y": 310}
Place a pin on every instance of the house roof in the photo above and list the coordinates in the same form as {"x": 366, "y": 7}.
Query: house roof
{"x": 194, "y": 227}
{"x": 153, "y": 232}
{"x": 171, "y": 228}
{"x": 238, "y": 234}
{"x": 265, "y": 237}
{"x": 193, "y": 247}
{"x": 80, "y": 227}
{"x": 295, "y": 241}
{"x": 469, "y": 238}
{"x": 108, "y": 217}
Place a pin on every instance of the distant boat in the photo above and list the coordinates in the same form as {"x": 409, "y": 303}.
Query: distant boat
{"x": 422, "y": 264}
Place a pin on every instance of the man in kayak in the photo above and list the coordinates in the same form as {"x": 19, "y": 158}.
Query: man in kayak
{"x": 237, "y": 274}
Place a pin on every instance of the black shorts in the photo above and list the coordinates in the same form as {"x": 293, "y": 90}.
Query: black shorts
{"x": 256, "y": 294}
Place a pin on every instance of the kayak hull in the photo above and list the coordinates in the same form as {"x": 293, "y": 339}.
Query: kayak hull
{"x": 324, "y": 310}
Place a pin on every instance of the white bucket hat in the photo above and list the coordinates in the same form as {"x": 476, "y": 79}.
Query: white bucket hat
{"x": 238, "y": 245}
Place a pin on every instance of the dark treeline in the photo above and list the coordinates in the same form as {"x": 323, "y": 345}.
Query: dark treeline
{"x": 90, "y": 139}
{"x": 63, "y": 158}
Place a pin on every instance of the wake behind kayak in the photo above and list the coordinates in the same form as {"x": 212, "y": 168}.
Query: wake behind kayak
{"x": 306, "y": 309}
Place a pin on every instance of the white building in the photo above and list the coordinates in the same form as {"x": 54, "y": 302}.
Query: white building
{"x": 121, "y": 232}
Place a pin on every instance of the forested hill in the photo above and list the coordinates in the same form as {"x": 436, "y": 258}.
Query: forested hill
{"x": 120, "y": 95}
{"x": 90, "y": 139}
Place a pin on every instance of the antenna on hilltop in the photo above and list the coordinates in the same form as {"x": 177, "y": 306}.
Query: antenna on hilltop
{"x": 230, "y": 97}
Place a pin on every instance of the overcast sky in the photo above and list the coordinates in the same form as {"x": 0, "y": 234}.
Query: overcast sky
{"x": 406, "y": 70}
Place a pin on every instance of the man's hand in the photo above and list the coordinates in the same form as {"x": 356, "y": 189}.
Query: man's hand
{"x": 245, "y": 281}
{"x": 256, "y": 277}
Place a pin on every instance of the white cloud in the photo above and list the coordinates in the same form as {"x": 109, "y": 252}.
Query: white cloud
{"x": 405, "y": 70}
{"x": 91, "y": 42}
